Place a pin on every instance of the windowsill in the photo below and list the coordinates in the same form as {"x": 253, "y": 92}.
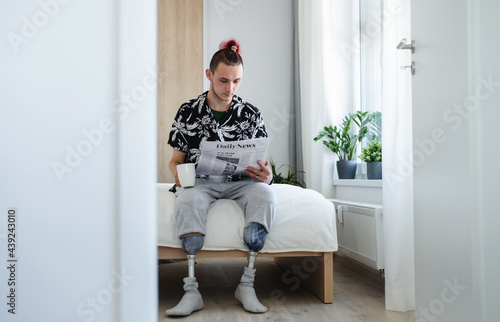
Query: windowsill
{"x": 357, "y": 183}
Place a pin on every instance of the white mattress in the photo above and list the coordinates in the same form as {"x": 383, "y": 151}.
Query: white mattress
{"x": 304, "y": 221}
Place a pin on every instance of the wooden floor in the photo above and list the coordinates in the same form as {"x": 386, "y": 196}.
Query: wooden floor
{"x": 355, "y": 298}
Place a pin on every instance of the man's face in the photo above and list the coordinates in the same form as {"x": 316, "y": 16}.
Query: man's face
{"x": 225, "y": 80}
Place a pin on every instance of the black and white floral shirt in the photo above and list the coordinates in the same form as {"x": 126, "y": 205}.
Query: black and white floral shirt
{"x": 195, "y": 123}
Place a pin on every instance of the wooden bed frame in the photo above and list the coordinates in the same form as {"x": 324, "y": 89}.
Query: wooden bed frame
{"x": 319, "y": 279}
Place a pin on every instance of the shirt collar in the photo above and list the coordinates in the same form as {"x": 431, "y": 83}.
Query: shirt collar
{"x": 234, "y": 101}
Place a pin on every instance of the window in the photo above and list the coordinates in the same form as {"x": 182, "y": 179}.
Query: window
{"x": 367, "y": 27}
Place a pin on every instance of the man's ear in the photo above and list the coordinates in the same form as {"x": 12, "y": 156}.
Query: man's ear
{"x": 208, "y": 73}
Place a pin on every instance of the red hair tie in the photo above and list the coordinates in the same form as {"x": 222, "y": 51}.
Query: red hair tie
{"x": 232, "y": 45}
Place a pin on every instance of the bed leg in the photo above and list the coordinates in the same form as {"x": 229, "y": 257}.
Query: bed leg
{"x": 317, "y": 273}
{"x": 328, "y": 277}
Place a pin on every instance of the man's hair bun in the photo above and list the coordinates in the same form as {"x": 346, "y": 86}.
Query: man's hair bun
{"x": 231, "y": 45}
{"x": 228, "y": 54}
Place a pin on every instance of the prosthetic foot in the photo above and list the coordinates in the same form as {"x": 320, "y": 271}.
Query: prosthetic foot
{"x": 191, "y": 301}
{"x": 245, "y": 293}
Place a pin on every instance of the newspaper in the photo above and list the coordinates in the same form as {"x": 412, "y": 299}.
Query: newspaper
{"x": 231, "y": 158}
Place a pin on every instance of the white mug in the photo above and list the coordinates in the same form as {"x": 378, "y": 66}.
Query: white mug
{"x": 186, "y": 174}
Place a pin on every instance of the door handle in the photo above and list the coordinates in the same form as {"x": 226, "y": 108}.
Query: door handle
{"x": 412, "y": 67}
{"x": 404, "y": 45}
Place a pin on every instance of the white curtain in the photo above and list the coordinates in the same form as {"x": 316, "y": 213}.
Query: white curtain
{"x": 397, "y": 160}
{"x": 325, "y": 83}
{"x": 326, "y": 87}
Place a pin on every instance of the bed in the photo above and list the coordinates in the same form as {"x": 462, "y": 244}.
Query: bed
{"x": 303, "y": 233}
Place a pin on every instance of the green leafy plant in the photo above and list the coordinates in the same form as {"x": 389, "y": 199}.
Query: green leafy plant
{"x": 372, "y": 153}
{"x": 341, "y": 140}
{"x": 290, "y": 178}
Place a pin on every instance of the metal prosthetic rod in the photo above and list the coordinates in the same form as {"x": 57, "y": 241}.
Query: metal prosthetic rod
{"x": 191, "y": 263}
{"x": 251, "y": 259}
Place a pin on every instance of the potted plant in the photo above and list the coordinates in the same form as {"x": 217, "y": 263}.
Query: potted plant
{"x": 343, "y": 142}
{"x": 372, "y": 155}
{"x": 292, "y": 177}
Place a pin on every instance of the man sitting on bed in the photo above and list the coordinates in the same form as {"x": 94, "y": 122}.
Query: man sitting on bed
{"x": 220, "y": 115}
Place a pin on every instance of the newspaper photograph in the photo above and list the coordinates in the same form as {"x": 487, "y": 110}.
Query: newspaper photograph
{"x": 231, "y": 158}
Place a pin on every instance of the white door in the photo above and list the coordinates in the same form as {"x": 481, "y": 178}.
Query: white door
{"x": 455, "y": 113}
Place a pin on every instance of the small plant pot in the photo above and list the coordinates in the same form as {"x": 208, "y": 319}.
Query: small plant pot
{"x": 374, "y": 170}
{"x": 346, "y": 169}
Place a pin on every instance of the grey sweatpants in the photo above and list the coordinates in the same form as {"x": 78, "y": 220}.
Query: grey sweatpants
{"x": 257, "y": 200}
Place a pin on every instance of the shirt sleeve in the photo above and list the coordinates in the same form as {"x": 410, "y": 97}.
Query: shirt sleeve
{"x": 177, "y": 137}
{"x": 260, "y": 130}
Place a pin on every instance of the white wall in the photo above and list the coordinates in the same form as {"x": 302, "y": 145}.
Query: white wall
{"x": 264, "y": 29}
{"x": 61, "y": 79}
{"x": 487, "y": 223}
{"x": 370, "y": 193}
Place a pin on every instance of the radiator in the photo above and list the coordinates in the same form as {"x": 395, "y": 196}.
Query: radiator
{"x": 360, "y": 232}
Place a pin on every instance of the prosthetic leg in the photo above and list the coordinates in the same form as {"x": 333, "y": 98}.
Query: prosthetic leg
{"x": 254, "y": 238}
{"x": 191, "y": 301}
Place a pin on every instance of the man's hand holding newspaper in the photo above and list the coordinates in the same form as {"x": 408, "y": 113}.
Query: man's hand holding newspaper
{"x": 232, "y": 158}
